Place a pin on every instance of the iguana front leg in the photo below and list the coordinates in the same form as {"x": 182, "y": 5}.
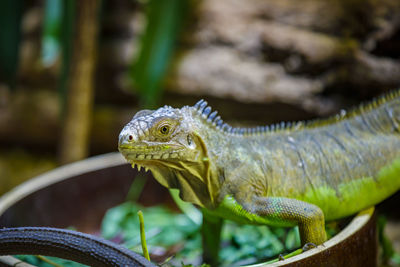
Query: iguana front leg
{"x": 308, "y": 217}
{"x": 249, "y": 190}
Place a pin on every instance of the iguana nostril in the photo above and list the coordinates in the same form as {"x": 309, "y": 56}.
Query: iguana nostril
{"x": 125, "y": 138}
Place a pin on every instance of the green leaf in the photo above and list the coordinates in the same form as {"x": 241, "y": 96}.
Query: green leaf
{"x": 164, "y": 21}
{"x": 10, "y": 38}
{"x": 396, "y": 259}
{"x": 51, "y": 31}
{"x": 118, "y": 219}
{"x": 386, "y": 245}
{"x": 66, "y": 38}
{"x": 31, "y": 259}
{"x": 292, "y": 239}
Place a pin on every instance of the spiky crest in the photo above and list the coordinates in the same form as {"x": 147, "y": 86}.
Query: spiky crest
{"x": 213, "y": 120}
{"x": 355, "y": 111}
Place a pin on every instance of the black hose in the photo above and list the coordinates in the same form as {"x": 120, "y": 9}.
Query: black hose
{"x": 67, "y": 244}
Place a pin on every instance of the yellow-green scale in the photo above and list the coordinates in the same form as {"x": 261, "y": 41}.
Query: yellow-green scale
{"x": 357, "y": 194}
{"x": 349, "y": 198}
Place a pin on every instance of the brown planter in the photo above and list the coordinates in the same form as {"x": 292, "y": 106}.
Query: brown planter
{"x": 80, "y": 193}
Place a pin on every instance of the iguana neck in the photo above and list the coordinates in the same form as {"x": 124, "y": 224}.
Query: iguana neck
{"x": 199, "y": 181}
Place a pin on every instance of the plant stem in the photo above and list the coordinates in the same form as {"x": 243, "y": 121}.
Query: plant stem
{"x": 48, "y": 261}
{"x": 143, "y": 236}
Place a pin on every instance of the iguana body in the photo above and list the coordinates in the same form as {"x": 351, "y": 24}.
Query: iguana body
{"x": 299, "y": 174}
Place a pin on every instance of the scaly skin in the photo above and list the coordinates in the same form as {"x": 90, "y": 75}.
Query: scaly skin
{"x": 300, "y": 174}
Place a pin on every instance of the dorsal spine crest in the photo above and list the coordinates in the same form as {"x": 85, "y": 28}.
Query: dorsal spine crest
{"x": 212, "y": 119}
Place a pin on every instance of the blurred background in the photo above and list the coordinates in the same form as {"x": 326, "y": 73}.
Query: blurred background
{"x": 72, "y": 73}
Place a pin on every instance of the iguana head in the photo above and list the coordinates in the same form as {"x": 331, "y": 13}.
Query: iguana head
{"x": 154, "y": 138}
{"x": 171, "y": 143}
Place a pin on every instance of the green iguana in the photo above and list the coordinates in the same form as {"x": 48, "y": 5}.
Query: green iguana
{"x": 302, "y": 173}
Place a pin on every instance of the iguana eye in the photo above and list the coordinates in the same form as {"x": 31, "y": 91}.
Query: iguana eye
{"x": 164, "y": 129}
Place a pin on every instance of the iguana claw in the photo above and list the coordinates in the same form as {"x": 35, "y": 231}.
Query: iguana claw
{"x": 308, "y": 246}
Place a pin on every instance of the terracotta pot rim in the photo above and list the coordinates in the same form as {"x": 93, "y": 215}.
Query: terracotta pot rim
{"x": 57, "y": 175}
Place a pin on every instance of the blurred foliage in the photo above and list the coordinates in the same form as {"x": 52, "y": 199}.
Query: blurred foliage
{"x": 57, "y": 26}
{"x": 161, "y": 225}
{"x": 168, "y": 232}
{"x": 10, "y": 36}
{"x": 164, "y": 22}
{"x": 34, "y": 260}
{"x": 51, "y": 31}
{"x": 389, "y": 257}
{"x": 65, "y": 42}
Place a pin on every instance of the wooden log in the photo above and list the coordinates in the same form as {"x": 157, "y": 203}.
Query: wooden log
{"x": 80, "y": 83}
{"x": 289, "y": 51}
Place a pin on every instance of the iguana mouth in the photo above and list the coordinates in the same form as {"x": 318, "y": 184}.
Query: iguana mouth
{"x": 149, "y": 161}
{"x": 135, "y": 156}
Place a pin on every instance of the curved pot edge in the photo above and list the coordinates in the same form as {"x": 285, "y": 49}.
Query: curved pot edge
{"x": 59, "y": 174}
